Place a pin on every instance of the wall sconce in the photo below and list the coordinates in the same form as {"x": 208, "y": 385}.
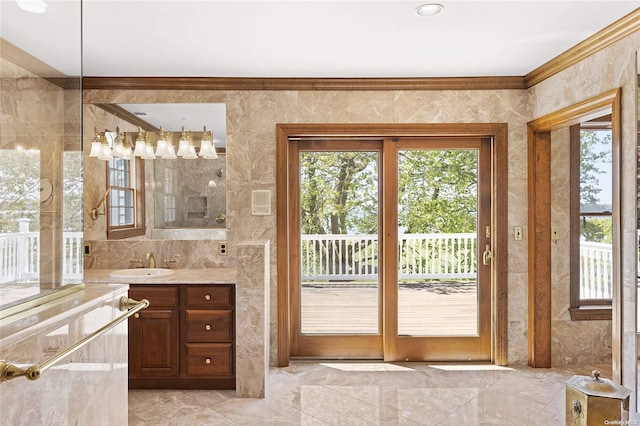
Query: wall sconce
{"x": 95, "y": 212}
{"x": 207, "y": 149}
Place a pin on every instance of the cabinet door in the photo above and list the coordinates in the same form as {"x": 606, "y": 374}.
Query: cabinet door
{"x": 153, "y": 344}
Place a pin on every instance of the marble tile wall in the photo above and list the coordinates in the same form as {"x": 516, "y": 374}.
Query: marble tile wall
{"x": 252, "y": 316}
{"x": 88, "y": 387}
{"x": 251, "y": 163}
{"x": 610, "y": 68}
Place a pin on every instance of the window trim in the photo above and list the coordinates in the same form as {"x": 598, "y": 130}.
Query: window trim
{"x": 139, "y": 226}
{"x": 580, "y": 309}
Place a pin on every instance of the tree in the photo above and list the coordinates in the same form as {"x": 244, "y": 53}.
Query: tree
{"x": 595, "y": 153}
{"x": 437, "y": 191}
{"x": 19, "y": 193}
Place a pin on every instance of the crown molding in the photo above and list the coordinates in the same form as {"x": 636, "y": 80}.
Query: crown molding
{"x": 232, "y": 83}
{"x": 600, "y": 40}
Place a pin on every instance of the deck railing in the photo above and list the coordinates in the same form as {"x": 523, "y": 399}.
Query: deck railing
{"x": 20, "y": 255}
{"x": 596, "y": 262}
{"x": 429, "y": 256}
{"x": 335, "y": 257}
{"x": 421, "y": 256}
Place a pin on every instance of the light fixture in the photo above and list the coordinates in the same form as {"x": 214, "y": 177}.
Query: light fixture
{"x": 141, "y": 144}
{"x": 96, "y": 144}
{"x": 429, "y": 9}
{"x": 95, "y": 212}
{"x": 162, "y": 145}
{"x": 207, "y": 148}
{"x": 183, "y": 144}
{"x": 106, "y": 147}
{"x": 33, "y": 6}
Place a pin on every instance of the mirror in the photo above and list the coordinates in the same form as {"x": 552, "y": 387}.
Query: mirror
{"x": 41, "y": 185}
{"x": 184, "y": 198}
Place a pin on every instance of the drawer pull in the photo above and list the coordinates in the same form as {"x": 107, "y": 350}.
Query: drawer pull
{"x": 207, "y": 297}
{"x": 136, "y": 315}
{"x": 207, "y": 327}
{"x": 207, "y": 361}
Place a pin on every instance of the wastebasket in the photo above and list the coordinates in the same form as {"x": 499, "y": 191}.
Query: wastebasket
{"x": 595, "y": 401}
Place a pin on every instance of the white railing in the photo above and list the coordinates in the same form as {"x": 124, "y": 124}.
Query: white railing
{"x": 20, "y": 255}
{"x": 421, "y": 256}
{"x": 429, "y": 256}
{"x": 596, "y": 261}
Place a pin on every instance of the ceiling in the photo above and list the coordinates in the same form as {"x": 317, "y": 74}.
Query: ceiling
{"x": 305, "y": 38}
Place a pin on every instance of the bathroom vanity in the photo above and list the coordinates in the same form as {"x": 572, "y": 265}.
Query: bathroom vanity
{"x": 185, "y": 339}
{"x": 239, "y": 304}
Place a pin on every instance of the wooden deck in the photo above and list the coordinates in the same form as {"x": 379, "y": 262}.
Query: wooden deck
{"x": 425, "y": 309}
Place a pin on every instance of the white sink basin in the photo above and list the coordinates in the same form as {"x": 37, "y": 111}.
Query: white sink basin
{"x": 141, "y": 273}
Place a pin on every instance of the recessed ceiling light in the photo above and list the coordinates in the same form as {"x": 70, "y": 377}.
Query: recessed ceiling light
{"x": 33, "y": 6}
{"x": 429, "y": 9}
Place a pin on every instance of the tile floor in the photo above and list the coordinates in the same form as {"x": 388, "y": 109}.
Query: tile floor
{"x": 359, "y": 393}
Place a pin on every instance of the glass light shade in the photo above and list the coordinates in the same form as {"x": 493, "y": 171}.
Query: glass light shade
{"x": 161, "y": 147}
{"x": 96, "y": 149}
{"x": 170, "y": 154}
{"x": 183, "y": 148}
{"x": 191, "y": 154}
{"x": 207, "y": 150}
{"x": 118, "y": 148}
{"x": 148, "y": 154}
{"x": 127, "y": 153}
{"x": 141, "y": 148}
{"x": 106, "y": 154}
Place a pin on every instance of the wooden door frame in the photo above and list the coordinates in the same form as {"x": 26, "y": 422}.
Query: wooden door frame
{"x": 539, "y": 223}
{"x": 497, "y": 131}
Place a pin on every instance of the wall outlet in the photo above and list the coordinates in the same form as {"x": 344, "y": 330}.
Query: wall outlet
{"x": 555, "y": 233}
{"x": 87, "y": 249}
{"x": 222, "y": 248}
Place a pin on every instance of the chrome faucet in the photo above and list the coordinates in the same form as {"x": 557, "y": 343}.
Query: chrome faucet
{"x": 152, "y": 260}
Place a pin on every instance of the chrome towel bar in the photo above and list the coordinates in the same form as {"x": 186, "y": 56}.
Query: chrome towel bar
{"x": 10, "y": 371}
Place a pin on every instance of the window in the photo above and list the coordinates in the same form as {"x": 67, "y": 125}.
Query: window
{"x": 591, "y": 220}
{"x": 125, "y": 203}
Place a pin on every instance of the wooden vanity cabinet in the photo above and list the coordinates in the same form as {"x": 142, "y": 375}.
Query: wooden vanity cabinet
{"x": 184, "y": 339}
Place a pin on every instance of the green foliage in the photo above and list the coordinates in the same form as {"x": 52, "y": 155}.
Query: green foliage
{"x": 19, "y": 191}
{"x": 592, "y": 157}
{"x": 20, "y": 195}
{"x": 339, "y": 192}
{"x": 437, "y": 191}
{"x": 596, "y": 230}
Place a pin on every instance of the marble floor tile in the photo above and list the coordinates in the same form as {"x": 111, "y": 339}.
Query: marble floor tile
{"x": 359, "y": 393}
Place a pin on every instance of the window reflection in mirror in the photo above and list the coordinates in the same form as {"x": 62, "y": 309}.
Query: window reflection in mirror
{"x": 190, "y": 193}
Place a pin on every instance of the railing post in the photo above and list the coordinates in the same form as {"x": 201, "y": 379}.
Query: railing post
{"x": 22, "y": 254}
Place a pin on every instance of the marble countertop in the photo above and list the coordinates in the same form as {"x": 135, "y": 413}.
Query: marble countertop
{"x": 181, "y": 276}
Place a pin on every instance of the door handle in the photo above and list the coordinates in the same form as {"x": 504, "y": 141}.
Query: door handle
{"x": 487, "y": 256}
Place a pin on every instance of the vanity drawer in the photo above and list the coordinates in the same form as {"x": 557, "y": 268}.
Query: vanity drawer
{"x": 210, "y": 296}
{"x": 209, "y": 326}
{"x": 210, "y": 359}
{"x": 158, "y": 296}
